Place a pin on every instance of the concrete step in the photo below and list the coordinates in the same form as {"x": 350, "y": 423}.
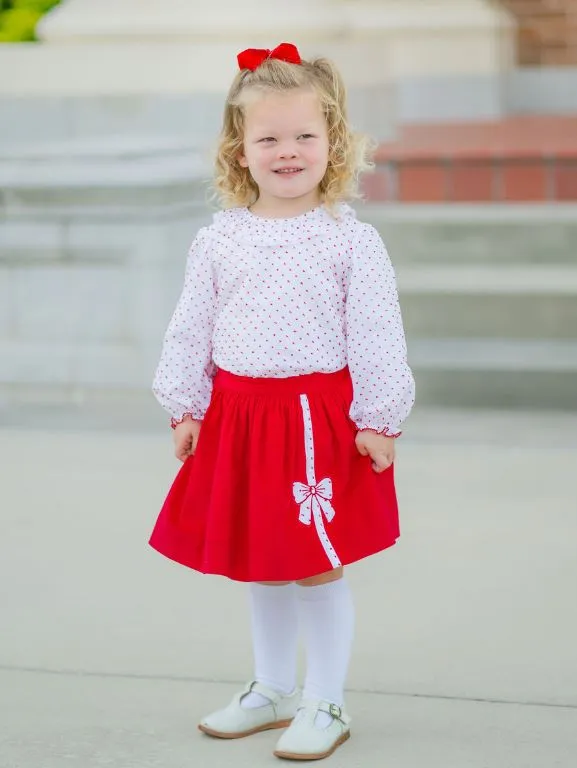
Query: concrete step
{"x": 478, "y": 234}
{"x": 489, "y": 300}
{"x": 510, "y": 301}
{"x": 505, "y": 373}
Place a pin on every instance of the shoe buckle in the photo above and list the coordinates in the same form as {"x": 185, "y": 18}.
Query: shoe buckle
{"x": 335, "y": 711}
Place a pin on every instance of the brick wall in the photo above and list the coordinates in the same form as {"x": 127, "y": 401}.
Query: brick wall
{"x": 547, "y": 31}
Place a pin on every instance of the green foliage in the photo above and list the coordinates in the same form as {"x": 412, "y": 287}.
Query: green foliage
{"x": 18, "y": 18}
{"x": 35, "y": 5}
{"x": 18, "y": 25}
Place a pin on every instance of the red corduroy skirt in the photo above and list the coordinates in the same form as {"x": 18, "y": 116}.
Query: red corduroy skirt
{"x": 277, "y": 490}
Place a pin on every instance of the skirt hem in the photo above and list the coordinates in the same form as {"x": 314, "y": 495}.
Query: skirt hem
{"x": 176, "y": 557}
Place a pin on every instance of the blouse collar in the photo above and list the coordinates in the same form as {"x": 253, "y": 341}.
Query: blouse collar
{"x": 241, "y": 225}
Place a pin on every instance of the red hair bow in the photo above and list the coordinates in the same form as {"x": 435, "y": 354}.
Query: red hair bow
{"x": 254, "y": 57}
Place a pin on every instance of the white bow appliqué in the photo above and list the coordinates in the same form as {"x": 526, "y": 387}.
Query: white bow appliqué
{"x": 309, "y": 496}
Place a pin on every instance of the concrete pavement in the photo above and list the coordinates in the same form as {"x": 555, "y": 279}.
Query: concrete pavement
{"x": 466, "y": 650}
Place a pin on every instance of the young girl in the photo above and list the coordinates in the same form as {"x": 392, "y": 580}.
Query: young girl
{"x": 284, "y": 370}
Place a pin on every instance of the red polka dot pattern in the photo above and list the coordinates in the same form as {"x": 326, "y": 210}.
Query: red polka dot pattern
{"x": 285, "y": 297}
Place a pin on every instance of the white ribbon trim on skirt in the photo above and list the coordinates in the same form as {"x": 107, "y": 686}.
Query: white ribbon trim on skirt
{"x": 315, "y": 498}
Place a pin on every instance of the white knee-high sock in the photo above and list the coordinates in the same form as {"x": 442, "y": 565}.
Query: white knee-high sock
{"x": 275, "y": 636}
{"x": 327, "y": 617}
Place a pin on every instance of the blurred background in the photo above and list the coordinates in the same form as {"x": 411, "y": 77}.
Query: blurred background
{"x": 466, "y": 651}
{"x": 109, "y": 114}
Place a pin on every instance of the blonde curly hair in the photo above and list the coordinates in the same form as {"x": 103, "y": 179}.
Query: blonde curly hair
{"x": 348, "y": 151}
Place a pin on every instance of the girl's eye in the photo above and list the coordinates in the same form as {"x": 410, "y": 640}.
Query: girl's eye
{"x": 306, "y": 136}
{"x": 268, "y": 139}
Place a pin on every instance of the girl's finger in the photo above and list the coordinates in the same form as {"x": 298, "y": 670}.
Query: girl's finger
{"x": 183, "y": 452}
{"x": 382, "y": 462}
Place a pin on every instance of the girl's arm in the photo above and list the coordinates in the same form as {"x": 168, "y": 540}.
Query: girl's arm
{"x": 384, "y": 388}
{"x": 183, "y": 380}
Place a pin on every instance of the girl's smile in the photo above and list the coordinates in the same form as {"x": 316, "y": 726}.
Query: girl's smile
{"x": 291, "y": 171}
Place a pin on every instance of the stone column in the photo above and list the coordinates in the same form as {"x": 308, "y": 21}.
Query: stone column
{"x": 447, "y": 59}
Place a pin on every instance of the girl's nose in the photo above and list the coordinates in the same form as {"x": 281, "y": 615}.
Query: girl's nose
{"x": 287, "y": 151}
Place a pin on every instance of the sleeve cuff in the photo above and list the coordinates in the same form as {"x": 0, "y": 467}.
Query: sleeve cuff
{"x": 384, "y": 432}
{"x": 185, "y": 417}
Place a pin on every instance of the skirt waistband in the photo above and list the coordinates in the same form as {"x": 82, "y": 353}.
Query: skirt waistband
{"x": 292, "y": 385}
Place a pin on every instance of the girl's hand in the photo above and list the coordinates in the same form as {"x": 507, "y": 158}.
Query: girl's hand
{"x": 185, "y": 438}
{"x": 381, "y": 449}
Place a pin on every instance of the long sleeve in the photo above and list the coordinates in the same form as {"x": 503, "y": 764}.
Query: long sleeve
{"x": 183, "y": 380}
{"x": 384, "y": 388}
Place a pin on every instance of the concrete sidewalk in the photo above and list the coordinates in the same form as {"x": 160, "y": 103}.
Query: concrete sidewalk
{"x": 466, "y": 650}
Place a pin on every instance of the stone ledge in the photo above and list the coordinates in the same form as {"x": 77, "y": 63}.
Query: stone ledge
{"x": 95, "y": 163}
{"x": 495, "y": 354}
{"x": 78, "y": 364}
{"x": 123, "y": 178}
{"x": 515, "y": 159}
{"x": 529, "y": 215}
{"x": 120, "y": 20}
{"x": 496, "y": 280}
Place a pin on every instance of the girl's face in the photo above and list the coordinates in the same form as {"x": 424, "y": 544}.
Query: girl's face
{"x": 286, "y": 149}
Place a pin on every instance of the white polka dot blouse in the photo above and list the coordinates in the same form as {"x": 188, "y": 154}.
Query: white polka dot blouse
{"x": 286, "y": 297}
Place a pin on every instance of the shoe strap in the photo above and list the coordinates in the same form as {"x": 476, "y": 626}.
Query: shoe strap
{"x": 255, "y": 687}
{"x": 336, "y": 712}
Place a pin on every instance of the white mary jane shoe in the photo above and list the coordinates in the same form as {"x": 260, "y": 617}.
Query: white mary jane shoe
{"x": 305, "y": 741}
{"x": 235, "y": 722}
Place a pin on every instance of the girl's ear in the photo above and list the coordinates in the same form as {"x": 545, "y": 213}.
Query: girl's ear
{"x": 242, "y": 161}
